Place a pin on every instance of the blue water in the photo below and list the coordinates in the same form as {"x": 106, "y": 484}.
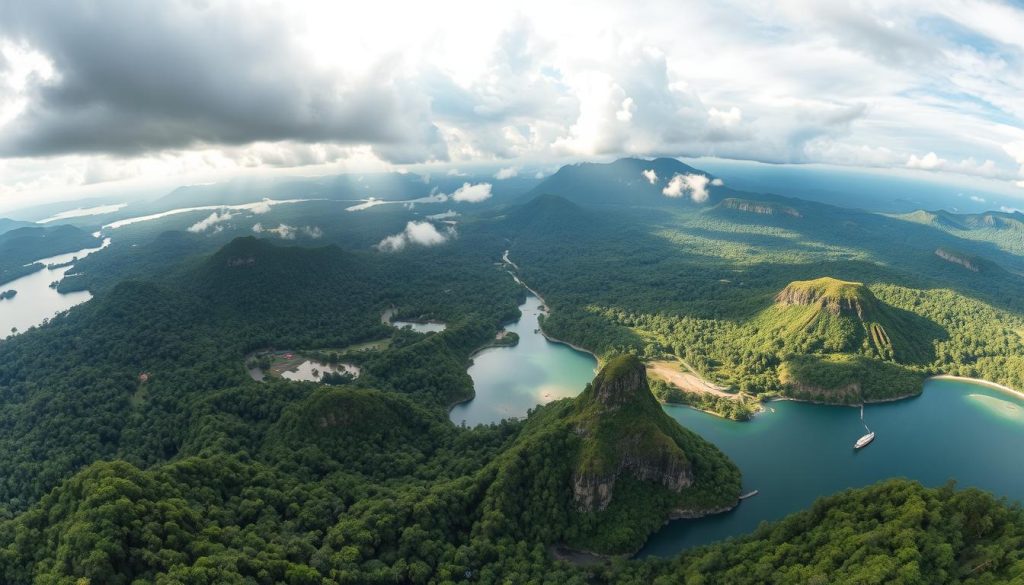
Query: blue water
{"x": 800, "y": 452}
{"x": 511, "y": 380}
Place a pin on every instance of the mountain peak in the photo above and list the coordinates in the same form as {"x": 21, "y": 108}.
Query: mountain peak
{"x": 835, "y": 296}
{"x": 621, "y": 381}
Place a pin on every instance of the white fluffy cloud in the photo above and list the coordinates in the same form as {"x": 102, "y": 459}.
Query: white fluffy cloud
{"x": 215, "y": 218}
{"x": 288, "y": 232}
{"x": 967, "y": 166}
{"x": 650, "y": 175}
{"x": 421, "y": 233}
{"x": 884, "y": 83}
{"x": 693, "y": 185}
{"x": 468, "y": 193}
{"x": 506, "y": 173}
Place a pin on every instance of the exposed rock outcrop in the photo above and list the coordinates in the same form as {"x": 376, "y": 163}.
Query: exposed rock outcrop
{"x": 832, "y": 295}
{"x": 758, "y": 207}
{"x": 621, "y": 441}
{"x": 960, "y": 259}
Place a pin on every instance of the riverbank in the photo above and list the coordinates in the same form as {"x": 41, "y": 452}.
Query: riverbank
{"x": 544, "y": 310}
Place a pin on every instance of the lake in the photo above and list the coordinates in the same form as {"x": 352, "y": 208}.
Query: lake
{"x": 36, "y": 300}
{"x": 511, "y": 380}
{"x": 799, "y": 452}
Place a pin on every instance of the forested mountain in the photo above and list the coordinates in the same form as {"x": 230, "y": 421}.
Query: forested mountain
{"x": 135, "y": 447}
{"x": 21, "y": 247}
{"x": 7, "y": 225}
{"x": 623, "y": 182}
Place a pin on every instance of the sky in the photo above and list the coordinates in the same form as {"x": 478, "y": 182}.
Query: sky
{"x": 103, "y": 94}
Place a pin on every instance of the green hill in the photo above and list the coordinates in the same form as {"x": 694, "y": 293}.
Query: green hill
{"x": 827, "y": 315}
{"x": 612, "y": 465}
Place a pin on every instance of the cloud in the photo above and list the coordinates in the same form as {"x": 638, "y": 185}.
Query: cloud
{"x": 977, "y": 199}
{"x": 106, "y": 91}
{"x": 445, "y": 215}
{"x": 472, "y": 193}
{"x": 506, "y": 173}
{"x": 203, "y": 73}
{"x": 717, "y": 182}
{"x": 420, "y": 233}
{"x": 967, "y": 166}
{"x": 927, "y": 162}
{"x": 213, "y": 219}
{"x": 693, "y": 185}
{"x": 288, "y": 232}
{"x": 650, "y": 175}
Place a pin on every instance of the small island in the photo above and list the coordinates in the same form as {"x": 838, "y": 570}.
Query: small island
{"x": 8, "y": 294}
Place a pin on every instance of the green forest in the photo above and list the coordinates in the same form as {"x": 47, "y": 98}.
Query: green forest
{"x": 136, "y": 449}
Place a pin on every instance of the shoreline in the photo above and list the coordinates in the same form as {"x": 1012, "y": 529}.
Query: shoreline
{"x": 978, "y": 382}
{"x": 544, "y": 311}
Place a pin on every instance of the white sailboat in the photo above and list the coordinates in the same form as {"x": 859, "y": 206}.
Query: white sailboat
{"x": 863, "y": 441}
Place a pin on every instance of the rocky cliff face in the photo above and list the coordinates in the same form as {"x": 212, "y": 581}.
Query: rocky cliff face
{"x": 957, "y": 259}
{"x": 758, "y": 207}
{"x": 834, "y": 296}
{"x": 622, "y": 441}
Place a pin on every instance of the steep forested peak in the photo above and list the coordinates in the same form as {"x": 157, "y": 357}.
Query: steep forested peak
{"x": 830, "y": 294}
{"x": 622, "y": 381}
{"x": 625, "y": 433}
{"x": 628, "y": 181}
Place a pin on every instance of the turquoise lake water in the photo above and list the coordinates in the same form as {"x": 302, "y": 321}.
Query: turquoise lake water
{"x": 794, "y": 452}
{"x": 511, "y": 380}
{"x": 954, "y": 430}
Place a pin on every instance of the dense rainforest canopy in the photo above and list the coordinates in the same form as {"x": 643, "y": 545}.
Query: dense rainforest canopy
{"x": 135, "y": 448}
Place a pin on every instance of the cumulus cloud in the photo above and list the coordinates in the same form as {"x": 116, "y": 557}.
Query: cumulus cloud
{"x": 468, "y": 193}
{"x": 213, "y": 219}
{"x": 977, "y": 199}
{"x": 650, "y": 175}
{"x": 693, "y": 185}
{"x": 927, "y": 162}
{"x": 967, "y": 166}
{"x": 445, "y": 215}
{"x": 506, "y": 173}
{"x": 200, "y": 74}
{"x": 421, "y": 233}
{"x": 288, "y": 232}
{"x": 231, "y": 85}
{"x": 717, "y": 182}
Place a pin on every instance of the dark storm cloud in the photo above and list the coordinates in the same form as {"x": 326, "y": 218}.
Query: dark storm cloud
{"x": 140, "y": 76}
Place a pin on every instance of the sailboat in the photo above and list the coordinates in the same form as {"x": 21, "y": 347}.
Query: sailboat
{"x": 863, "y": 441}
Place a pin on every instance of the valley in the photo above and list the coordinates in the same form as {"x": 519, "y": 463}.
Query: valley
{"x": 476, "y": 438}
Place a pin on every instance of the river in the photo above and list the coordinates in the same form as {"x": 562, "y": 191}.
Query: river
{"x": 35, "y": 300}
{"x": 799, "y": 452}
{"x": 511, "y": 380}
